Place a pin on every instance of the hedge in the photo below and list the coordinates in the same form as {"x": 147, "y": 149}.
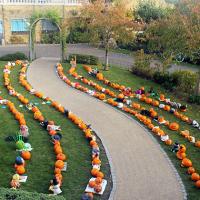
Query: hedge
{"x": 11, "y": 194}
{"x": 84, "y": 59}
{"x": 14, "y": 56}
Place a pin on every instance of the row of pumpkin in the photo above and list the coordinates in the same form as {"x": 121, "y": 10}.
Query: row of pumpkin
{"x": 172, "y": 126}
{"x": 144, "y": 98}
{"x": 96, "y": 162}
{"x": 181, "y": 154}
{"x": 60, "y": 156}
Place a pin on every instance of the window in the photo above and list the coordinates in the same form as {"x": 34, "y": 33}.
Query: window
{"x": 19, "y": 25}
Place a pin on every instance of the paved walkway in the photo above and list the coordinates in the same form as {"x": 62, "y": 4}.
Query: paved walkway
{"x": 118, "y": 59}
{"x": 141, "y": 170}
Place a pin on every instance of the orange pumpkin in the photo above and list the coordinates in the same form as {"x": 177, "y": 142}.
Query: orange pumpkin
{"x": 197, "y": 143}
{"x": 174, "y": 126}
{"x": 59, "y": 164}
{"x": 57, "y": 171}
{"x": 96, "y": 161}
{"x": 186, "y": 163}
{"x": 61, "y": 156}
{"x": 148, "y": 100}
{"x": 20, "y": 170}
{"x": 26, "y": 155}
{"x": 190, "y": 170}
{"x": 92, "y": 184}
{"x": 98, "y": 180}
{"x": 52, "y": 132}
{"x": 180, "y": 155}
{"x": 167, "y": 108}
{"x": 155, "y": 103}
{"x": 94, "y": 172}
{"x": 100, "y": 174}
{"x": 195, "y": 176}
{"x": 162, "y": 97}
{"x": 197, "y": 184}
{"x": 58, "y": 150}
{"x": 168, "y": 142}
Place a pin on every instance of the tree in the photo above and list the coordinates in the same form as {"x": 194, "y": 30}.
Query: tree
{"x": 149, "y": 10}
{"x": 107, "y": 22}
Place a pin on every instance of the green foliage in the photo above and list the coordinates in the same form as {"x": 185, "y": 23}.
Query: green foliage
{"x": 14, "y": 56}
{"x": 194, "y": 99}
{"x": 9, "y": 194}
{"x": 186, "y": 81}
{"x": 148, "y": 11}
{"x": 84, "y": 59}
{"x": 50, "y": 38}
{"x": 142, "y": 65}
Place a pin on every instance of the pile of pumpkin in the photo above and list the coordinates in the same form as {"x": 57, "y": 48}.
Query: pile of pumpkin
{"x": 76, "y": 120}
{"x": 142, "y": 97}
{"x": 185, "y": 162}
{"x": 60, "y": 157}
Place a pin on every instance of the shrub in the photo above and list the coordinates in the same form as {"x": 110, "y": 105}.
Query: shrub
{"x": 8, "y": 194}
{"x": 186, "y": 81}
{"x": 142, "y": 65}
{"x": 166, "y": 80}
{"x": 50, "y": 38}
{"x": 17, "y": 39}
{"x": 14, "y": 56}
{"x": 194, "y": 99}
{"x": 84, "y": 59}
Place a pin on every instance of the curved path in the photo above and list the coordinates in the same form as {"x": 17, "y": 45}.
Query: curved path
{"x": 141, "y": 169}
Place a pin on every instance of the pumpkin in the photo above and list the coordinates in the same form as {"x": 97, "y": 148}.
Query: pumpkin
{"x": 20, "y": 170}
{"x": 59, "y": 164}
{"x": 99, "y": 76}
{"x": 186, "y": 163}
{"x": 97, "y": 188}
{"x": 185, "y": 133}
{"x": 150, "y": 126}
{"x": 168, "y": 142}
{"x": 92, "y": 184}
{"x": 100, "y": 174}
{"x": 102, "y": 96}
{"x": 155, "y": 103}
{"x": 197, "y": 143}
{"x": 162, "y": 97}
{"x": 195, "y": 176}
{"x": 52, "y": 132}
{"x": 174, "y": 126}
{"x": 182, "y": 148}
{"x": 94, "y": 172}
{"x": 148, "y": 100}
{"x": 98, "y": 180}
{"x": 34, "y": 109}
{"x": 197, "y": 184}
{"x": 167, "y": 108}
{"x": 57, "y": 171}
{"x": 26, "y": 155}
{"x": 96, "y": 161}
{"x": 153, "y": 113}
{"x": 58, "y": 150}
{"x": 190, "y": 170}
{"x": 61, "y": 156}
{"x": 136, "y": 105}
{"x": 180, "y": 155}
{"x": 120, "y": 96}
{"x": 41, "y": 118}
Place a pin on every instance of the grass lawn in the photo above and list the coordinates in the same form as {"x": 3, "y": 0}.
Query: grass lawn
{"x": 41, "y": 167}
{"x": 126, "y": 78}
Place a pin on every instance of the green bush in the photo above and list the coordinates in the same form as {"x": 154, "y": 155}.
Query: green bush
{"x": 194, "y": 99}
{"x": 10, "y": 194}
{"x": 14, "y": 56}
{"x": 84, "y": 59}
{"x": 186, "y": 81}
{"x": 50, "y": 38}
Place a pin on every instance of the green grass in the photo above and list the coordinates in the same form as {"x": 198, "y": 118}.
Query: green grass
{"x": 128, "y": 79}
{"x": 41, "y": 167}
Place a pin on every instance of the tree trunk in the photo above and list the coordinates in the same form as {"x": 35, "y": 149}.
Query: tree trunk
{"x": 106, "y": 67}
